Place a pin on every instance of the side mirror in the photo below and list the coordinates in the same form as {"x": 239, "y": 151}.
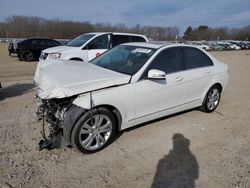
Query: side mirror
{"x": 156, "y": 74}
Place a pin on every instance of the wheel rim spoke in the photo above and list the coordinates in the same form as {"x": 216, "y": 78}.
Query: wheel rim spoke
{"x": 86, "y": 142}
{"x": 85, "y": 131}
{"x": 98, "y": 142}
{"x": 90, "y": 141}
{"x": 106, "y": 128}
{"x": 98, "y": 120}
{"x": 212, "y": 105}
{"x": 209, "y": 105}
{"x": 87, "y": 126}
{"x": 101, "y": 138}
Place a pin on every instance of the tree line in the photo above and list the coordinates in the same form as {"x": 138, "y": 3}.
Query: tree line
{"x": 26, "y": 26}
{"x": 204, "y": 32}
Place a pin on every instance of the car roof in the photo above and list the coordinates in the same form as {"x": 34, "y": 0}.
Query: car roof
{"x": 156, "y": 45}
{"x": 38, "y": 38}
{"x": 114, "y": 33}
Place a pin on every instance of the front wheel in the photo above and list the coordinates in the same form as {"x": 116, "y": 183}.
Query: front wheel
{"x": 94, "y": 131}
{"x": 27, "y": 55}
{"x": 212, "y": 99}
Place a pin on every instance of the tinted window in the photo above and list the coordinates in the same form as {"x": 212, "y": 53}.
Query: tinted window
{"x": 167, "y": 61}
{"x": 35, "y": 43}
{"x": 137, "y": 39}
{"x": 194, "y": 58}
{"x": 119, "y": 39}
{"x": 101, "y": 42}
{"x": 44, "y": 42}
{"x": 52, "y": 43}
{"x": 25, "y": 42}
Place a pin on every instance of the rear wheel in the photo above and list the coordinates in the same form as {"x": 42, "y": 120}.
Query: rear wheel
{"x": 27, "y": 55}
{"x": 212, "y": 99}
{"x": 94, "y": 131}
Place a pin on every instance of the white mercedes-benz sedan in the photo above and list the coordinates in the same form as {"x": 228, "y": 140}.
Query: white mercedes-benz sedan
{"x": 85, "y": 104}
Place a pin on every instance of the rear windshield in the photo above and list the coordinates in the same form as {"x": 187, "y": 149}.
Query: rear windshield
{"x": 80, "y": 40}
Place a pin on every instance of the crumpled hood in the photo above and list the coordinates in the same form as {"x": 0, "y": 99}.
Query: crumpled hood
{"x": 58, "y": 49}
{"x": 64, "y": 78}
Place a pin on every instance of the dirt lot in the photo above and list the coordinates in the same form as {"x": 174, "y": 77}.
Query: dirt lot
{"x": 218, "y": 154}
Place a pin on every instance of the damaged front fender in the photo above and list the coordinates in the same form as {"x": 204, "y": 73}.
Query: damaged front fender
{"x": 71, "y": 117}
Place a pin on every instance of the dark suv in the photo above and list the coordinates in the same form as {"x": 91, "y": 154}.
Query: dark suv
{"x": 30, "y": 49}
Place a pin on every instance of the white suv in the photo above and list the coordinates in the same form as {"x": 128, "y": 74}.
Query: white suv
{"x": 89, "y": 45}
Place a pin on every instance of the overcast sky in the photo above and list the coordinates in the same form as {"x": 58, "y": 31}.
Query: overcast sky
{"x": 181, "y": 13}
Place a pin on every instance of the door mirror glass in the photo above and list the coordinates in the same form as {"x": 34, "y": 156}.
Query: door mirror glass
{"x": 156, "y": 74}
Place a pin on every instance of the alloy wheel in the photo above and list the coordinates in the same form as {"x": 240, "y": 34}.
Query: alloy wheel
{"x": 95, "y": 132}
{"x": 213, "y": 99}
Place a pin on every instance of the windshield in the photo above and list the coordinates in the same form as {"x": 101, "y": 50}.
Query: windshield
{"x": 80, "y": 40}
{"x": 124, "y": 59}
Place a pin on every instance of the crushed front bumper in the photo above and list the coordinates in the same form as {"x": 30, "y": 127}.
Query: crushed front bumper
{"x": 58, "y": 117}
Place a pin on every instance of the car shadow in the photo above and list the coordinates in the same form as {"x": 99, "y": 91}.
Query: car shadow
{"x": 15, "y": 90}
{"x": 179, "y": 168}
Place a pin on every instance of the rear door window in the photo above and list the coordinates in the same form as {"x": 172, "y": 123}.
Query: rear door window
{"x": 35, "y": 43}
{"x": 194, "y": 58}
{"x": 119, "y": 39}
{"x": 137, "y": 39}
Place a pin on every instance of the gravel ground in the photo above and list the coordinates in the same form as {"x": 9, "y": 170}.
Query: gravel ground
{"x": 193, "y": 149}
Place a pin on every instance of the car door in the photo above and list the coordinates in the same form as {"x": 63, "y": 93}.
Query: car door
{"x": 97, "y": 46}
{"x": 198, "y": 73}
{"x": 156, "y": 96}
{"x": 36, "y": 47}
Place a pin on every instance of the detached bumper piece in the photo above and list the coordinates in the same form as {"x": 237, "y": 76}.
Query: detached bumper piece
{"x": 53, "y": 141}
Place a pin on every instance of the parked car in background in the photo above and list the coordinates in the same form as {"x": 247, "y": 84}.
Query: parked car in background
{"x": 128, "y": 85}
{"x": 12, "y": 44}
{"x": 247, "y": 44}
{"x": 90, "y": 45}
{"x": 11, "y": 49}
{"x": 200, "y": 45}
{"x": 217, "y": 47}
{"x": 30, "y": 49}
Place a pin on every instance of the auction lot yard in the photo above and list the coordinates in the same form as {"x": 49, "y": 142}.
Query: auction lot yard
{"x": 218, "y": 154}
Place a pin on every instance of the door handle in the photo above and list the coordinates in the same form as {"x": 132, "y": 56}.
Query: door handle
{"x": 179, "y": 78}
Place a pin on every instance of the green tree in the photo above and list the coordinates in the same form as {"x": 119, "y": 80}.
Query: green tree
{"x": 188, "y": 33}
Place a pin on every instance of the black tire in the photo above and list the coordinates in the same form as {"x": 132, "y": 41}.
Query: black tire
{"x": 27, "y": 55}
{"x": 84, "y": 121}
{"x": 211, "y": 100}
{"x": 19, "y": 57}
